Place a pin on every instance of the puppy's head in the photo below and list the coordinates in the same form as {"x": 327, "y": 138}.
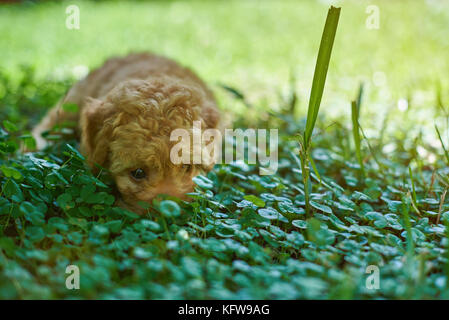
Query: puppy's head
{"x": 128, "y": 132}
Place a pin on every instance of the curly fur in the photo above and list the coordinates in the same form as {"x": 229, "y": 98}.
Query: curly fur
{"x": 128, "y": 108}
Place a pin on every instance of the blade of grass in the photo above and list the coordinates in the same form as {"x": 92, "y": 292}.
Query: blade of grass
{"x": 356, "y": 134}
{"x": 236, "y": 94}
{"x": 315, "y": 169}
{"x": 442, "y": 143}
{"x": 359, "y": 97}
{"x": 293, "y": 96}
{"x": 319, "y": 79}
{"x": 371, "y": 150}
{"x": 305, "y": 170}
{"x": 410, "y": 246}
{"x": 413, "y": 186}
{"x": 321, "y": 67}
{"x": 440, "y": 208}
{"x": 408, "y": 227}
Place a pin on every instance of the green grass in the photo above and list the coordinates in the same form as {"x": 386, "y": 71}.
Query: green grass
{"x": 316, "y": 94}
{"x": 243, "y": 235}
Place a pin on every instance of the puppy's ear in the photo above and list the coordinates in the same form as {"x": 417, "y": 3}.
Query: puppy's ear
{"x": 94, "y": 131}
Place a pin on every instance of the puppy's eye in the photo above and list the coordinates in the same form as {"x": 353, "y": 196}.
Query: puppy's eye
{"x": 138, "y": 174}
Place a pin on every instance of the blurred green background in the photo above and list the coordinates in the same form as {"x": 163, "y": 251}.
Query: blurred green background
{"x": 254, "y": 47}
{"x": 250, "y": 45}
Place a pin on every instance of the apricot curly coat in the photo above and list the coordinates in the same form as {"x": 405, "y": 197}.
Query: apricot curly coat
{"x": 127, "y": 110}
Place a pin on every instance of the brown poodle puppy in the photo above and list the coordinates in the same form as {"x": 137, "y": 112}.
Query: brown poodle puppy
{"x": 127, "y": 111}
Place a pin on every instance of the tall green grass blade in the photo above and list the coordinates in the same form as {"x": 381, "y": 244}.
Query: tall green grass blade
{"x": 305, "y": 170}
{"x": 413, "y": 184}
{"x": 322, "y": 65}
{"x": 442, "y": 143}
{"x": 408, "y": 228}
{"x": 371, "y": 149}
{"x": 439, "y": 100}
{"x": 414, "y": 201}
{"x": 359, "y": 97}
{"x": 356, "y": 134}
{"x": 293, "y": 101}
{"x": 319, "y": 79}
